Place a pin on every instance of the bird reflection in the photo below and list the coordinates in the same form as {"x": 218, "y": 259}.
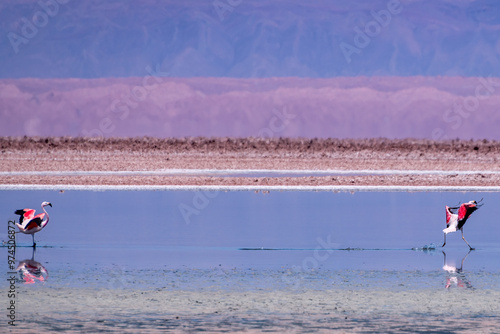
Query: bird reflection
{"x": 456, "y": 277}
{"x": 31, "y": 271}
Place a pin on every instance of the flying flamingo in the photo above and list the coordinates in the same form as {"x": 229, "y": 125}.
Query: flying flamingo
{"x": 29, "y": 223}
{"x": 456, "y": 221}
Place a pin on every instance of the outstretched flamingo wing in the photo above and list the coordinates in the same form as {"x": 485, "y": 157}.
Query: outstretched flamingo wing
{"x": 448, "y": 215}
{"x": 464, "y": 213}
{"x": 35, "y": 222}
{"x": 466, "y": 210}
{"x": 41, "y": 216}
{"x": 26, "y": 214}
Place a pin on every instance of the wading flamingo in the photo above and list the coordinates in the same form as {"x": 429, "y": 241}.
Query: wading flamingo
{"x": 29, "y": 223}
{"x": 456, "y": 221}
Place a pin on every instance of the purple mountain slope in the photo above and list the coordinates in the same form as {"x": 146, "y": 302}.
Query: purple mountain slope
{"x": 393, "y": 107}
{"x": 249, "y": 38}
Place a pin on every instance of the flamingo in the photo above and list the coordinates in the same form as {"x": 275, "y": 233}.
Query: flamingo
{"x": 29, "y": 223}
{"x": 456, "y": 221}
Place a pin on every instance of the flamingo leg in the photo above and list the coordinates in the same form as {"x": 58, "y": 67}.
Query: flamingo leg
{"x": 444, "y": 243}
{"x": 34, "y": 244}
{"x": 465, "y": 240}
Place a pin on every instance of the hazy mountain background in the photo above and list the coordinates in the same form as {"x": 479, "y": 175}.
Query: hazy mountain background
{"x": 119, "y": 38}
{"x": 393, "y": 107}
{"x": 67, "y": 65}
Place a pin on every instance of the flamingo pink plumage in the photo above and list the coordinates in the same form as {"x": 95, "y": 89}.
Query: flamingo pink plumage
{"x": 456, "y": 221}
{"x": 31, "y": 224}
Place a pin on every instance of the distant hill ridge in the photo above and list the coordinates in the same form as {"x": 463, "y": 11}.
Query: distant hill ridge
{"x": 363, "y": 107}
{"x": 221, "y": 38}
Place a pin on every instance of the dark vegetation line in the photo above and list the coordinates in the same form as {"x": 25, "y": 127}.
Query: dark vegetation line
{"x": 246, "y": 144}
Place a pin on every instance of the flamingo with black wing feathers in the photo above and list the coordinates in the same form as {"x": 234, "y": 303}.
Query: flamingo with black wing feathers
{"x": 31, "y": 224}
{"x": 456, "y": 221}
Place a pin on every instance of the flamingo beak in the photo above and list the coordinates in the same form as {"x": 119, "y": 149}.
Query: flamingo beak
{"x": 50, "y": 204}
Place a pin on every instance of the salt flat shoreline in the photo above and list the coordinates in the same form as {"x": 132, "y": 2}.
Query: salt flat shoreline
{"x": 208, "y": 188}
{"x": 256, "y": 311}
{"x": 456, "y": 163}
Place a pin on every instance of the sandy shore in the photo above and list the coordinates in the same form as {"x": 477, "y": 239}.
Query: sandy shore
{"x": 150, "y": 154}
{"x": 84, "y": 310}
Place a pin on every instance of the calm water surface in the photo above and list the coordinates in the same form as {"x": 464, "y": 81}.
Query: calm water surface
{"x": 229, "y": 235}
{"x": 164, "y": 247}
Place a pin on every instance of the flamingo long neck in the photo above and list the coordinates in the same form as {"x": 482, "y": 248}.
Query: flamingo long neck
{"x": 46, "y": 221}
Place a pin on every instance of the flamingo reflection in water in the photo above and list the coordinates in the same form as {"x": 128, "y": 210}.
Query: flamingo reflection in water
{"x": 456, "y": 277}
{"x": 32, "y": 271}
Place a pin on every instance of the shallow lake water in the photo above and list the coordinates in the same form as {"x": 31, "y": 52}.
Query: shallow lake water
{"x": 247, "y": 242}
